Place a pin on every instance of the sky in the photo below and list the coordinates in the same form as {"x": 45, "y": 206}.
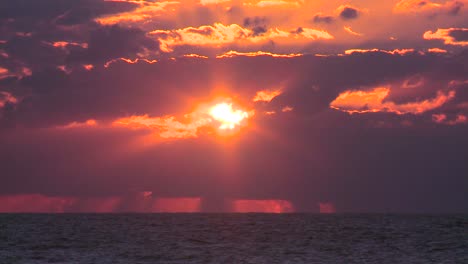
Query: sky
{"x": 273, "y": 106}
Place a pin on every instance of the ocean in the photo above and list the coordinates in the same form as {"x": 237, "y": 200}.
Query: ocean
{"x": 232, "y": 238}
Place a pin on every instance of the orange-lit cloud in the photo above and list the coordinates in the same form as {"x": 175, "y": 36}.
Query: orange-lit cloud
{"x": 147, "y": 10}
{"x": 176, "y": 205}
{"x": 393, "y": 52}
{"x": 327, "y": 208}
{"x": 6, "y": 97}
{"x": 87, "y": 123}
{"x": 442, "y": 119}
{"x": 262, "y": 206}
{"x": 232, "y": 53}
{"x": 205, "y": 35}
{"x": 64, "y": 44}
{"x": 417, "y": 6}
{"x": 219, "y": 34}
{"x": 416, "y": 81}
{"x": 18, "y": 73}
{"x": 287, "y": 109}
{"x": 450, "y": 36}
{"x": 437, "y": 50}
{"x": 137, "y": 60}
{"x": 88, "y": 67}
{"x": 220, "y": 115}
{"x": 64, "y": 69}
{"x": 5, "y": 73}
{"x": 165, "y": 127}
{"x": 350, "y": 31}
{"x": 195, "y": 56}
{"x": 266, "y": 95}
{"x": 312, "y": 34}
{"x": 373, "y": 101}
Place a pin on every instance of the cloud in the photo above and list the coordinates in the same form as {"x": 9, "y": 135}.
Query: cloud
{"x": 7, "y": 98}
{"x": 437, "y": 50}
{"x": 373, "y": 101}
{"x": 65, "y": 13}
{"x": 111, "y": 42}
{"x": 146, "y": 10}
{"x": 219, "y": 34}
{"x": 350, "y": 31}
{"x": 218, "y": 115}
{"x": 418, "y": 6}
{"x": 205, "y": 35}
{"x": 319, "y": 18}
{"x": 262, "y": 206}
{"x": 197, "y": 56}
{"x": 450, "y": 36}
{"x": 33, "y": 203}
{"x": 401, "y": 52}
{"x": 256, "y": 24}
{"x": 442, "y": 119}
{"x": 348, "y": 12}
{"x": 5, "y": 73}
{"x": 287, "y": 109}
{"x": 64, "y": 44}
{"x": 138, "y": 202}
{"x": 165, "y": 127}
{"x": 232, "y": 54}
{"x": 137, "y": 60}
{"x": 313, "y": 34}
{"x": 266, "y": 95}
{"x": 74, "y": 125}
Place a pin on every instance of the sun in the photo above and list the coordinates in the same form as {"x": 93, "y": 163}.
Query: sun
{"x": 227, "y": 116}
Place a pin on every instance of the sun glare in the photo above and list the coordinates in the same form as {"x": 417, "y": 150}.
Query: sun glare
{"x": 227, "y": 116}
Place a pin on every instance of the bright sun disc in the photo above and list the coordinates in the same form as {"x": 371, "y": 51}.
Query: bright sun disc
{"x": 227, "y": 116}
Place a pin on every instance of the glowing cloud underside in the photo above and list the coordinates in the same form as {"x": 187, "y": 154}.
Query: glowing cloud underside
{"x": 266, "y": 96}
{"x": 219, "y": 34}
{"x": 221, "y": 115}
{"x": 374, "y": 101}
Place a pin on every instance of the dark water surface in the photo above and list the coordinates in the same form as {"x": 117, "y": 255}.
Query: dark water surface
{"x": 232, "y": 238}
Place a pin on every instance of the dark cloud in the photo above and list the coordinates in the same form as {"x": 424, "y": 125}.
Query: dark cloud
{"x": 65, "y": 12}
{"x": 349, "y": 13}
{"x": 323, "y": 19}
{"x": 31, "y": 30}
{"x": 455, "y": 8}
{"x": 460, "y": 35}
{"x": 257, "y": 24}
{"x": 110, "y": 42}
